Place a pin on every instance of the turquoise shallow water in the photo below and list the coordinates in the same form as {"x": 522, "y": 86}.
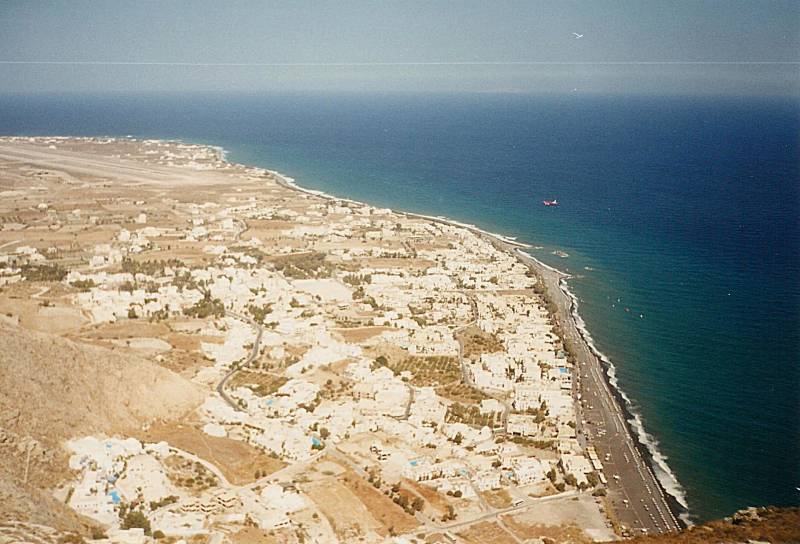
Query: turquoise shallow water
{"x": 682, "y": 210}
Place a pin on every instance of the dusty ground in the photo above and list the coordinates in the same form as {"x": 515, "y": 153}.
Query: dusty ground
{"x": 498, "y": 498}
{"x": 345, "y": 498}
{"x": 237, "y": 460}
{"x": 477, "y": 342}
{"x": 252, "y": 535}
{"x": 461, "y": 392}
{"x": 40, "y": 306}
{"x": 428, "y": 371}
{"x": 381, "y": 507}
{"x": 561, "y": 519}
{"x": 556, "y": 533}
{"x": 484, "y": 532}
{"x": 53, "y": 389}
{"x": 261, "y": 383}
{"x": 189, "y": 475}
{"x": 357, "y": 335}
{"x": 347, "y": 515}
{"x": 433, "y": 498}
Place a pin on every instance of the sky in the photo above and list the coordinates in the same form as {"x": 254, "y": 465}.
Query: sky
{"x": 628, "y": 46}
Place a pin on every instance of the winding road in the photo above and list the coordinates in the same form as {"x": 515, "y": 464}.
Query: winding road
{"x": 236, "y": 367}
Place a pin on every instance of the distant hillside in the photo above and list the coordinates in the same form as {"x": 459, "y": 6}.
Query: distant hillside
{"x": 53, "y": 389}
{"x": 752, "y": 525}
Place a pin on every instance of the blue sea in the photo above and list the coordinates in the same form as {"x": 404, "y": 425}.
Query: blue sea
{"x": 680, "y": 216}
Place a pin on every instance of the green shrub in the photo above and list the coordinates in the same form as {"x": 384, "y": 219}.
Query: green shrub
{"x": 44, "y": 272}
{"x": 136, "y": 519}
{"x": 206, "y": 307}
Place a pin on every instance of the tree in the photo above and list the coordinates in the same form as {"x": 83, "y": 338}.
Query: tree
{"x": 136, "y": 519}
{"x": 569, "y": 479}
{"x": 418, "y": 504}
{"x": 324, "y": 433}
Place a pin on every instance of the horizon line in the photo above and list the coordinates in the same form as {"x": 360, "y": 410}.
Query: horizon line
{"x": 388, "y": 64}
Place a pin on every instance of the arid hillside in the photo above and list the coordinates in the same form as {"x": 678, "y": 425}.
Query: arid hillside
{"x": 53, "y": 389}
{"x": 775, "y": 525}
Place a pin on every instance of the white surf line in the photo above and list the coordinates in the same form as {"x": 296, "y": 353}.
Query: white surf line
{"x": 665, "y": 477}
{"x": 389, "y": 64}
{"x": 660, "y": 470}
{"x": 674, "y": 489}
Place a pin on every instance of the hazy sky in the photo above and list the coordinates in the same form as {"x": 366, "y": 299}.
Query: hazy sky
{"x": 403, "y": 37}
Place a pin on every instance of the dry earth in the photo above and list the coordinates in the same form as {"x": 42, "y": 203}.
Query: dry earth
{"x": 53, "y": 389}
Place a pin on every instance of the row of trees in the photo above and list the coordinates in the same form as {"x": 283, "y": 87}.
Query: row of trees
{"x": 45, "y": 272}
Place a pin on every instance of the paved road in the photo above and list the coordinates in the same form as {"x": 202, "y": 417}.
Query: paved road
{"x": 636, "y": 496}
{"x": 253, "y": 355}
{"x": 638, "y": 499}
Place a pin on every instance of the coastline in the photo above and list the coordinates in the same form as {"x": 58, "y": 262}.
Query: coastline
{"x": 645, "y": 444}
{"x": 556, "y": 288}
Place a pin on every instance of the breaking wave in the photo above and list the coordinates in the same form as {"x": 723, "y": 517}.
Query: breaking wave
{"x": 666, "y": 477}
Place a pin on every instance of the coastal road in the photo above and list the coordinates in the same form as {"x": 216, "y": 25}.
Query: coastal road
{"x": 252, "y": 357}
{"x": 639, "y": 501}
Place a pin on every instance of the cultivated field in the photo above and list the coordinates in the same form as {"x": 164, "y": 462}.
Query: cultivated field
{"x": 428, "y": 371}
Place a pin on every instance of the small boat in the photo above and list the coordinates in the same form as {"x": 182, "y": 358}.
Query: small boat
{"x": 553, "y": 202}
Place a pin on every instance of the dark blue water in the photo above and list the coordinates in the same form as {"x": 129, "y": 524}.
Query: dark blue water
{"x": 684, "y": 209}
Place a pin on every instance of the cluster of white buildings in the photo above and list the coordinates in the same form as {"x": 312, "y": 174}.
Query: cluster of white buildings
{"x": 424, "y": 281}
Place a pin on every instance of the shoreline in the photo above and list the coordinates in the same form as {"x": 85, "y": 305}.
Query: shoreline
{"x": 645, "y": 444}
{"x": 557, "y": 288}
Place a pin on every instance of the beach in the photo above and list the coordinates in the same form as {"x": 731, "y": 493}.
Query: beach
{"x": 641, "y": 216}
{"x": 501, "y": 296}
{"x": 605, "y": 420}
{"x": 284, "y": 315}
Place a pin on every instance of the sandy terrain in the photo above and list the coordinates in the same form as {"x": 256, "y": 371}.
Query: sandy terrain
{"x": 572, "y": 519}
{"x": 485, "y": 531}
{"x": 237, "y": 460}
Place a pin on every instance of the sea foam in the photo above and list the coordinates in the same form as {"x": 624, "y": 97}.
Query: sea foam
{"x": 666, "y": 477}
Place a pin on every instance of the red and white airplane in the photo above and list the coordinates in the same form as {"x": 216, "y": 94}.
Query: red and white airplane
{"x": 553, "y": 202}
